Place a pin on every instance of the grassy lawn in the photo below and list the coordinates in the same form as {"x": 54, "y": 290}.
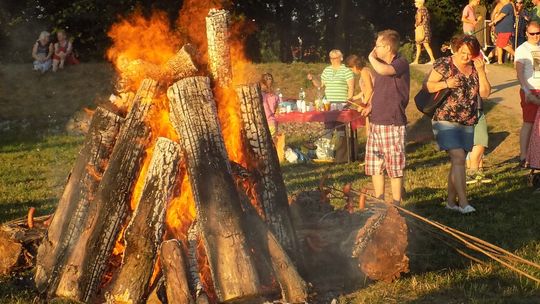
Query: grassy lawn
{"x": 36, "y": 155}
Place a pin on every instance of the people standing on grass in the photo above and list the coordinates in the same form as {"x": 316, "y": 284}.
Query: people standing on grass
{"x": 42, "y": 53}
{"x": 527, "y": 64}
{"x": 270, "y": 101}
{"x": 385, "y": 147}
{"x": 504, "y": 26}
{"x": 464, "y": 73}
{"x": 422, "y": 28}
{"x": 338, "y": 83}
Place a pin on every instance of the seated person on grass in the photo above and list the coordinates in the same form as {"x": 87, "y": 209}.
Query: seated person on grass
{"x": 63, "y": 52}
{"x": 42, "y": 53}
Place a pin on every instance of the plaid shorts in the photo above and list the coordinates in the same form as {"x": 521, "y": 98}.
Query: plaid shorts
{"x": 385, "y": 149}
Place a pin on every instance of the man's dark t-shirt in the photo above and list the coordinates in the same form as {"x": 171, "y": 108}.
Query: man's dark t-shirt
{"x": 391, "y": 95}
{"x": 506, "y": 25}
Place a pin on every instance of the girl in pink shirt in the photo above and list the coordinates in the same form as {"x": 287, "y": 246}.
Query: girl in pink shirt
{"x": 270, "y": 101}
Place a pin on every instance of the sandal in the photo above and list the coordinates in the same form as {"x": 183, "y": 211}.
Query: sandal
{"x": 453, "y": 208}
{"x": 467, "y": 209}
{"x": 523, "y": 164}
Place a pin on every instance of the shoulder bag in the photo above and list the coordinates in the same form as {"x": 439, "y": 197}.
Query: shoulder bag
{"x": 427, "y": 102}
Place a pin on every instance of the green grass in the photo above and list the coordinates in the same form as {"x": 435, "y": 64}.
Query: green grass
{"x": 36, "y": 156}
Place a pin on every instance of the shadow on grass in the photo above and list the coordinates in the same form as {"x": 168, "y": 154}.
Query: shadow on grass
{"x": 496, "y": 139}
{"x": 484, "y": 289}
{"x": 13, "y": 210}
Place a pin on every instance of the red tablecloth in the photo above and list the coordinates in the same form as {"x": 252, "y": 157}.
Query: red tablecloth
{"x": 344, "y": 116}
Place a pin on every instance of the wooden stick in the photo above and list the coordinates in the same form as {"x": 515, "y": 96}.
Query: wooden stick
{"x": 461, "y": 237}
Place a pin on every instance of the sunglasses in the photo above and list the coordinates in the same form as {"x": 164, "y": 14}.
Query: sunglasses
{"x": 534, "y": 34}
{"x": 520, "y": 3}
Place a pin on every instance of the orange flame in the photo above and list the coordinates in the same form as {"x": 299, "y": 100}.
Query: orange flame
{"x": 141, "y": 44}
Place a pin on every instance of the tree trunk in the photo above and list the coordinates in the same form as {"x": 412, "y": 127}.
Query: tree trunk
{"x": 218, "y": 206}
{"x": 145, "y": 230}
{"x": 341, "y": 32}
{"x": 72, "y": 209}
{"x": 175, "y": 273}
{"x": 219, "y": 53}
{"x": 88, "y": 260}
{"x": 268, "y": 181}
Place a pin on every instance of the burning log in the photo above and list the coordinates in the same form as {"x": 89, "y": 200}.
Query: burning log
{"x": 175, "y": 273}
{"x": 219, "y": 53}
{"x": 268, "y": 181}
{"x": 181, "y": 65}
{"x": 218, "y": 205}
{"x": 88, "y": 259}
{"x": 145, "y": 230}
{"x": 72, "y": 210}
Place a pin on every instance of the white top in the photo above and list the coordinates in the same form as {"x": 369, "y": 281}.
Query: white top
{"x": 529, "y": 56}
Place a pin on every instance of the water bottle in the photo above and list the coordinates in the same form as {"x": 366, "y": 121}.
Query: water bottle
{"x": 302, "y": 94}
{"x": 280, "y": 95}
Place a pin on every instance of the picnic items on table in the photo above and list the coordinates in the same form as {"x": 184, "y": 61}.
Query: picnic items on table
{"x": 302, "y": 111}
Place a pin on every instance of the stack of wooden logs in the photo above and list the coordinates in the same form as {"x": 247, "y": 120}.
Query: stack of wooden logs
{"x": 249, "y": 253}
{"x": 247, "y": 232}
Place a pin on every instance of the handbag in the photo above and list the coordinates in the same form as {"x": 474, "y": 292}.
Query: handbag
{"x": 427, "y": 102}
{"x": 419, "y": 33}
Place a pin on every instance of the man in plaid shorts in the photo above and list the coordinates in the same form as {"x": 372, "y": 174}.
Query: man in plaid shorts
{"x": 385, "y": 147}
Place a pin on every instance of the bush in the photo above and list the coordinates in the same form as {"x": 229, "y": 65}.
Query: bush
{"x": 407, "y": 50}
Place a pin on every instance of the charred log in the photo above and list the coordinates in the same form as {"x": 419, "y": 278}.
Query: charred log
{"x": 219, "y": 53}
{"x": 218, "y": 206}
{"x": 268, "y": 181}
{"x": 72, "y": 209}
{"x": 87, "y": 261}
{"x": 145, "y": 230}
{"x": 175, "y": 273}
{"x": 293, "y": 287}
{"x": 182, "y": 64}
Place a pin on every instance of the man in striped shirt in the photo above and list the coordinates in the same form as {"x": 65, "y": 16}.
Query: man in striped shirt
{"x": 338, "y": 83}
{"x": 337, "y": 79}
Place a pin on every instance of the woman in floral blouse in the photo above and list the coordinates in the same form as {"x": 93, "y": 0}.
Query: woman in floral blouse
{"x": 464, "y": 73}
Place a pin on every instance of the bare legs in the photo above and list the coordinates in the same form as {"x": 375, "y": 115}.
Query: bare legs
{"x": 507, "y": 48}
{"x": 58, "y": 64}
{"x": 419, "y": 50}
{"x": 396, "y": 184}
{"x": 524, "y": 136}
{"x": 475, "y": 161}
{"x": 456, "y": 178}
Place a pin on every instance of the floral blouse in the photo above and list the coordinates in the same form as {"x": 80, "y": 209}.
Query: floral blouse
{"x": 461, "y": 105}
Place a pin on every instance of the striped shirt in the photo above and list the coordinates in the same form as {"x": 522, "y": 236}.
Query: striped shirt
{"x": 335, "y": 83}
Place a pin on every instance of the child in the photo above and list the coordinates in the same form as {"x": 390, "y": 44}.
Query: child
{"x": 270, "y": 101}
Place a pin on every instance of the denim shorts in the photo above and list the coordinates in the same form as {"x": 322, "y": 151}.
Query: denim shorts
{"x": 453, "y": 135}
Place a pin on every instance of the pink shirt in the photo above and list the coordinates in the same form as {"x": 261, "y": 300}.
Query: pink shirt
{"x": 270, "y": 102}
{"x": 468, "y": 13}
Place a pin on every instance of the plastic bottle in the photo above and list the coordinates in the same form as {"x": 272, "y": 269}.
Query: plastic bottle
{"x": 318, "y": 100}
{"x": 302, "y": 94}
{"x": 280, "y": 95}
